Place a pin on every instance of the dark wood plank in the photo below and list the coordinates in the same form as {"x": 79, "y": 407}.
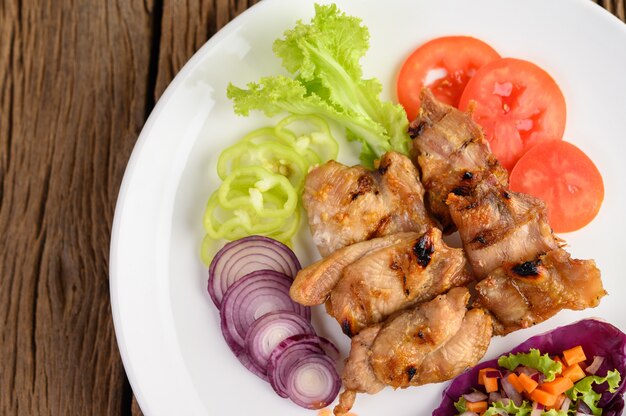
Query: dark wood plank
{"x": 73, "y": 84}
{"x": 187, "y": 26}
{"x": 617, "y": 7}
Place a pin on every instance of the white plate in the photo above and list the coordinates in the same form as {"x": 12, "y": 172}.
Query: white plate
{"x": 167, "y": 327}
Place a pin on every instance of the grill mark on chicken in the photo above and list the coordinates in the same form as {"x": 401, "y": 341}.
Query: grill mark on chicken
{"x": 395, "y": 277}
{"x": 346, "y": 205}
{"x": 365, "y": 184}
{"x": 519, "y": 298}
{"x": 424, "y": 250}
{"x": 429, "y": 343}
{"x": 415, "y": 131}
{"x": 345, "y": 327}
{"x": 528, "y": 268}
{"x": 410, "y": 372}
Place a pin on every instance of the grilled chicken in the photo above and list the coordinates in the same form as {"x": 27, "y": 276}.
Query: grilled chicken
{"x": 506, "y": 235}
{"x": 450, "y": 149}
{"x": 347, "y": 205}
{"x": 313, "y": 284}
{"x": 392, "y": 278}
{"x": 499, "y": 226}
{"x": 430, "y": 343}
{"x": 522, "y": 294}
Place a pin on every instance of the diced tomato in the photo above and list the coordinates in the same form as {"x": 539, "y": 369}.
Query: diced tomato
{"x": 445, "y": 65}
{"x": 518, "y": 105}
{"x": 566, "y": 179}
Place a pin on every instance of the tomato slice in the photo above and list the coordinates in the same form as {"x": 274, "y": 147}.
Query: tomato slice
{"x": 565, "y": 178}
{"x": 445, "y": 65}
{"x": 518, "y": 105}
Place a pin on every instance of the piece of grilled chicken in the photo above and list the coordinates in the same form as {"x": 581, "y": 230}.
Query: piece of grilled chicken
{"x": 504, "y": 233}
{"x": 447, "y": 165}
{"x": 499, "y": 226}
{"x": 347, "y": 205}
{"x": 368, "y": 281}
{"x": 522, "y": 294}
{"x": 431, "y": 343}
{"x": 393, "y": 278}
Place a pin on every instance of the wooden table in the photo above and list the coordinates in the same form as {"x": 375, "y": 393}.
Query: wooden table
{"x": 78, "y": 78}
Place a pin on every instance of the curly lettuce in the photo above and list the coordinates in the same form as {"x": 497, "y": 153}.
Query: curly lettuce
{"x": 532, "y": 359}
{"x": 583, "y": 389}
{"x": 323, "y": 57}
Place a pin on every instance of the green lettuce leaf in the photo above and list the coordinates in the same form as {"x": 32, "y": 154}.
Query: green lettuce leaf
{"x": 460, "y": 405}
{"x": 524, "y": 409}
{"x": 532, "y": 359}
{"x": 583, "y": 389}
{"x": 324, "y": 59}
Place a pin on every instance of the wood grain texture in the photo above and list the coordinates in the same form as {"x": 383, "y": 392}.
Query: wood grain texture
{"x": 73, "y": 83}
{"x": 186, "y": 26}
{"x": 77, "y": 81}
{"x": 617, "y": 7}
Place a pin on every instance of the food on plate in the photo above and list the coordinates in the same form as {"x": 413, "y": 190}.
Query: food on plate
{"x": 271, "y": 335}
{"x": 263, "y": 175}
{"x": 430, "y": 343}
{"x": 451, "y": 149}
{"x": 518, "y": 295}
{"x": 506, "y": 236}
{"x": 576, "y": 369}
{"x": 327, "y": 80}
{"x": 314, "y": 283}
{"x": 394, "y": 278}
{"x": 565, "y": 178}
{"x": 346, "y": 205}
{"x": 444, "y": 65}
{"x": 499, "y": 226}
{"x": 518, "y": 104}
{"x": 241, "y": 257}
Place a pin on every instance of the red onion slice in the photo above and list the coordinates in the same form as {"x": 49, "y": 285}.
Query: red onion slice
{"x": 475, "y": 396}
{"x": 537, "y": 409}
{"x": 251, "y": 297}
{"x": 286, "y": 354}
{"x": 510, "y": 391}
{"x": 245, "y": 360}
{"x": 269, "y": 330}
{"x": 595, "y": 365}
{"x": 241, "y": 257}
{"x": 313, "y": 382}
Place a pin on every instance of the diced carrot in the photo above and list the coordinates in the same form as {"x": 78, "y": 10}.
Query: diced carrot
{"x": 481, "y": 375}
{"x": 574, "y": 355}
{"x": 529, "y": 384}
{"x": 491, "y": 384}
{"x": 574, "y": 373}
{"x": 558, "y": 386}
{"x": 514, "y": 380}
{"x": 476, "y": 407}
{"x": 543, "y": 397}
